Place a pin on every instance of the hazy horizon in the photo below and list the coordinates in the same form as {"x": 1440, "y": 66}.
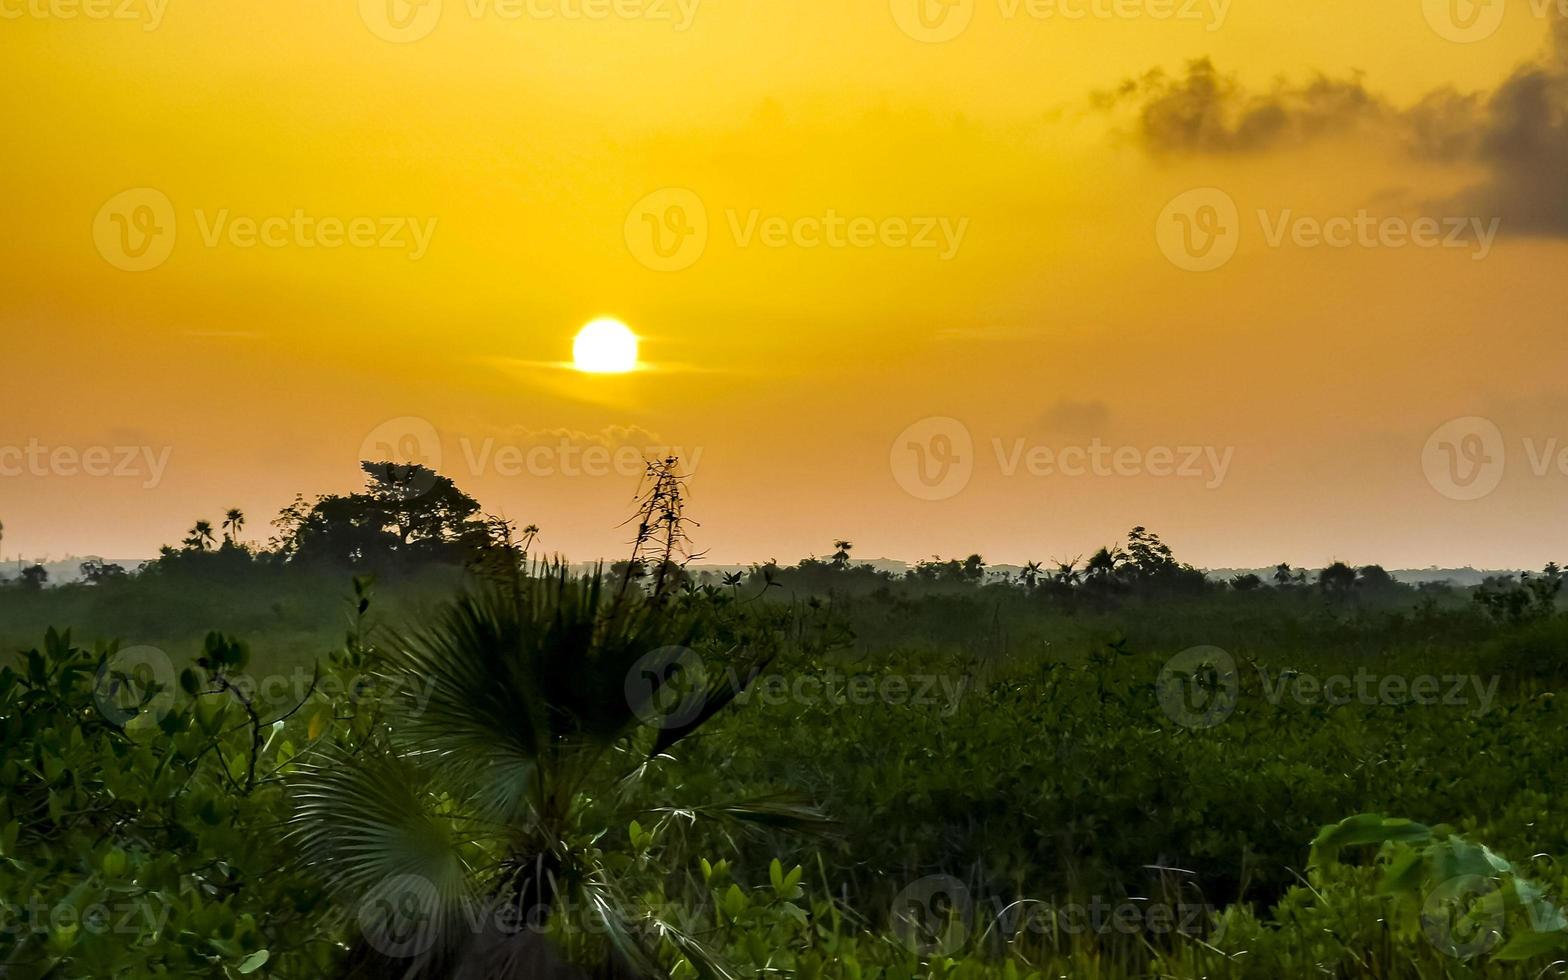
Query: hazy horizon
{"x": 1458, "y": 574}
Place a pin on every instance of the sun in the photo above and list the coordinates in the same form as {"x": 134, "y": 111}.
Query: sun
{"x": 605, "y": 346}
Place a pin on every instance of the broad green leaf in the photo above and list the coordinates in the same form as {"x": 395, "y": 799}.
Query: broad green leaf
{"x": 254, "y": 961}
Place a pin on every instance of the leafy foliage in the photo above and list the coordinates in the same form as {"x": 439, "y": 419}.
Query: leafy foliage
{"x": 822, "y": 771}
{"x": 132, "y": 842}
{"x": 524, "y": 722}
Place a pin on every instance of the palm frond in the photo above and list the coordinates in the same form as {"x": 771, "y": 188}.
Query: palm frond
{"x": 369, "y": 826}
{"x": 718, "y": 696}
{"x": 782, "y": 811}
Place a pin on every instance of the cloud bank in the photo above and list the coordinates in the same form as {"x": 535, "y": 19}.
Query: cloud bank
{"x": 1516, "y": 134}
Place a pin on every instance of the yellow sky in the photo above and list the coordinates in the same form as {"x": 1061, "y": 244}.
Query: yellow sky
{"x": 1010, "y": 276}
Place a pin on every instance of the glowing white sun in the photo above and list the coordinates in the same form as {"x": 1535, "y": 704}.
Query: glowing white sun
{"x": 605, "y": 346}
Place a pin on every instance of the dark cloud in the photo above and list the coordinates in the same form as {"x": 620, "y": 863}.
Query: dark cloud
{"x": 1207, "y": 111}
{"x": 1517, "y": 134}
{"x": 1523, "y": 142}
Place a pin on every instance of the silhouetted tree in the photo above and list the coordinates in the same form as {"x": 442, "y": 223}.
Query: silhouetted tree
{"x": 201, "y": 536}
{"x": 1337, "y": 579}
{"x": 407, "y": 514}
{"x": 1104, "y": 564}
{"x": 1530, "y": 598}
{"x": 95, "y": 570}
{"x": 1030, "y": 574}
{"x": 233, "y": 524}
{"x": 1153, "y": 570}
{"x": 1375, "y": 580}
{"x": 841, "y": 551}
{"x": 950, "y": 571}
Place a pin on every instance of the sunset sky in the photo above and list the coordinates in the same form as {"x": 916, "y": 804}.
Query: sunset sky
{"x": 902, "y": 249}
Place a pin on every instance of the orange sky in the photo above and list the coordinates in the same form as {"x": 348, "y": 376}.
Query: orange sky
{"x": 889, "y": 228}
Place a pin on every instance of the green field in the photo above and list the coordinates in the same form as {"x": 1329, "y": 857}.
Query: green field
{"x": 926, "y": 776}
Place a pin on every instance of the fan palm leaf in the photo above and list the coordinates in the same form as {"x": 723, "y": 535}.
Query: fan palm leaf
{"x": 518, "y": 715}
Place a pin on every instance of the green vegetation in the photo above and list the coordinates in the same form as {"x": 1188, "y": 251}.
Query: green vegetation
{"x": 1115, "y": 768}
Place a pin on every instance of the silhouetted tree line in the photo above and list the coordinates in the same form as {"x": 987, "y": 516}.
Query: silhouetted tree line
{"x": 406, "y": 516}
{"x": 1146, "y": 568}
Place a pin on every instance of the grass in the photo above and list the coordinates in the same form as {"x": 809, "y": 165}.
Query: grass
{"x": 986, "y": 750}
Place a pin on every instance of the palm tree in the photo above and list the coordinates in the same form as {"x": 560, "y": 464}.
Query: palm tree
{"x": 1030, "y": 574}
{"x": 1105, "y": 563}
{"x": 544, "y": 711}
{"x": 841, "y": 551}
{"x": 201, "y": 536}
{"x": 233, "y": 524}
